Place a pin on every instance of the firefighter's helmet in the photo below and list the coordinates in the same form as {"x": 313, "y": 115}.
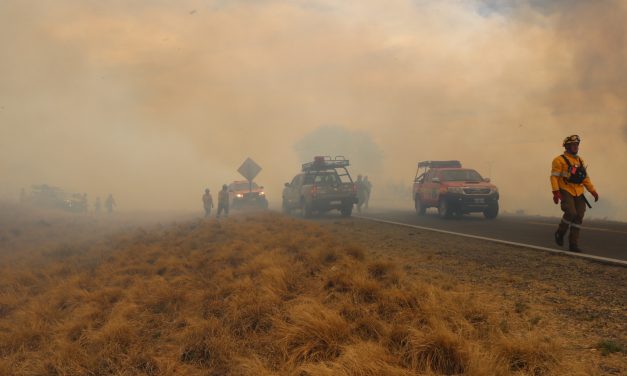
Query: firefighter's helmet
{"x": 574, "y": 139}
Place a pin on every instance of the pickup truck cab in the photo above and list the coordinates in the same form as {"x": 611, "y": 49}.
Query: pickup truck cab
{"x": 243, "y": 193}
{"x": 323, "y": 185}
{"x": 453, "y": 190}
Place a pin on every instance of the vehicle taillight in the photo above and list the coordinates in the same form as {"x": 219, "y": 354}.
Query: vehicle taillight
{"x": 313, "y": 190}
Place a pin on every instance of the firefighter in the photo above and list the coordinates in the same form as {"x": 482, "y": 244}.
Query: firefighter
{"x": 110, "y": 203}
{"x": 97, "y": 205}
{"x": 223, "y": 201}
{"x": 360, "y": 187}
{"x": 368, "y": 187}
{"x": 207, "y": 201}
{"x": 568, "y": 179}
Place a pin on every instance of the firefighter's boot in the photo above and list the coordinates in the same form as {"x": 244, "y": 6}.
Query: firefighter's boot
{"x": 560, "y": 233}
{"x": 573, "y": 239}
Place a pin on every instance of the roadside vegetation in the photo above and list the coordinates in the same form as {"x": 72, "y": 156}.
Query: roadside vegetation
{"x": 260, "y": 294}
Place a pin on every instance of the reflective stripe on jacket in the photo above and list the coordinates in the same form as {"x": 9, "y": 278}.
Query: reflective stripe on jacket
{"x": 559, "y": 174}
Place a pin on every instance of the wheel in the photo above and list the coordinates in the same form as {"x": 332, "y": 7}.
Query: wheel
{"x": 444, "y": 210}
{"x": 305, "y": 210}
{"x": 420, "y": 209}
{"x": 491, "y": 211}
{"x": 347, "y": 211}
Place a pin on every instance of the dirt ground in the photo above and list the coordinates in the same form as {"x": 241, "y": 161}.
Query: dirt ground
{"x": 585, "y": 300}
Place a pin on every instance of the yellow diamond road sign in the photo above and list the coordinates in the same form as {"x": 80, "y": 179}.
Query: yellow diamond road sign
{"x": 249, "y": 169}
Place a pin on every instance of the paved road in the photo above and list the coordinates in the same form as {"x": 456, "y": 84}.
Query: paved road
{"x": 599, "y": 238}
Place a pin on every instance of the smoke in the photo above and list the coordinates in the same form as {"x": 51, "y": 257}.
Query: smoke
{"x": 357, "y": 146}
{"x": 154, "y": 101}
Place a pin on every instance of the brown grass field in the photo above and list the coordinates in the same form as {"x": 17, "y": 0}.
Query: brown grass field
{"x": 266, "y": 294}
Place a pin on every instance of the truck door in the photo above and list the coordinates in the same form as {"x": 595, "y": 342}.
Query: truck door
{"x": 429, "y": 192}
{"x": 293, "y": 191}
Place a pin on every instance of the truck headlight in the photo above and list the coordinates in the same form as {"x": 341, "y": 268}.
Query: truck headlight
{"x": 458, "y": 190}
{"x": 239, "y": 195}
{"x": 262, "y": 193}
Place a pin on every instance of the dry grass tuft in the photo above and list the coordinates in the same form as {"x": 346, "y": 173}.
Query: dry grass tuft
{"x": 259, "y": 294}
{"x": 533, "y": 354}
{"x": 311, "y": 332}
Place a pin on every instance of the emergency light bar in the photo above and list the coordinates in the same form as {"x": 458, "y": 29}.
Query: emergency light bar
{"x": 440, "y": 164}
{"x": 326, "y": 163}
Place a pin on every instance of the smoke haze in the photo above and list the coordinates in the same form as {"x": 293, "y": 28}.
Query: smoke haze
{"x": 153, "y": 101}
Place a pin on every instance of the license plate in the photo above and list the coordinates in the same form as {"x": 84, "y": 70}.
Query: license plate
{"x": 337, "y": 202}
{"x": 480, "y": 201}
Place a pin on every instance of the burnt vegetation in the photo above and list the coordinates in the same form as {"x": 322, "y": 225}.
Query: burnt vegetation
{"x": 251, "y": 295}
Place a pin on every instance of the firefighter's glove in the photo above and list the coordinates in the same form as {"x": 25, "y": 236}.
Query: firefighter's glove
{"x": 557, "y": 196}
{"x": 595, "y": 195}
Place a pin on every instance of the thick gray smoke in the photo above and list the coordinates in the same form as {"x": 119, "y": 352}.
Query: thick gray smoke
{"x": 154, "y": 100}
{"x": 357, "y": 146}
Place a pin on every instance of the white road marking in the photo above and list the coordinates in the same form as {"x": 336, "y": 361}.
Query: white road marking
{"x": 553, "y": 250}
{"x": 582, "y": 227}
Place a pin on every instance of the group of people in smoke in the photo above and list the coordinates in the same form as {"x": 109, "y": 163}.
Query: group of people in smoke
{"x": 362, "y": 185}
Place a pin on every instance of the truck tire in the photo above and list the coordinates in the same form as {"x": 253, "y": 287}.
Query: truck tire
{"x": 492, "y": 211}
{"x": 347, "y": 211}
{"x": 420, "y": 208}
{"x": 444, "y": 210}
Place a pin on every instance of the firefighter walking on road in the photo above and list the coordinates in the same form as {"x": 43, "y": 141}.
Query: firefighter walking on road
{"x": 207, "y": 202}
{"x": 568, "y": 180}
{"x": 223, "y": 202}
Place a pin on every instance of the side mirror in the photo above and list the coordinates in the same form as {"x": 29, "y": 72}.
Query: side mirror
{"x": 287, "y": 184}
{"x": 436, "y": 180}
{"x": 487, "y": 180}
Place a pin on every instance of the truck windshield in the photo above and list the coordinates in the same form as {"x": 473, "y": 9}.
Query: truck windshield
{"x": 461, "y": 175}
{"x": 322, "y": 178}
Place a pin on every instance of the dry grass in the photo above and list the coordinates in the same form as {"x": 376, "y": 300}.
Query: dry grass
{"x": 252, "y": 295}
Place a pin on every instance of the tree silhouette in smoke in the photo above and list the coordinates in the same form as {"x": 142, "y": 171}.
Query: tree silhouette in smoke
{"x": 358, "y": 146}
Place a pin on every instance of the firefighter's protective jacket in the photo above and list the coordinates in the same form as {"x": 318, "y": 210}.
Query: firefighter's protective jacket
{"x": 223, "y": 197}
{"x": 559, "y": 174}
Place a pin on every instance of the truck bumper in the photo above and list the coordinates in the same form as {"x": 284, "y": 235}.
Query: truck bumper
{"x": 327, "y": 204}
{"x": 471, "y": 203}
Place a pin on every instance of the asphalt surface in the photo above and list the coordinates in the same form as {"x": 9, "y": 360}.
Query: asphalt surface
{"x": 598, "y": 238}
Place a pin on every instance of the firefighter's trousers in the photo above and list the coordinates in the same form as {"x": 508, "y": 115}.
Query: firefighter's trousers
{"x": 223, "y": 207}
{"x": 574, "y": 208}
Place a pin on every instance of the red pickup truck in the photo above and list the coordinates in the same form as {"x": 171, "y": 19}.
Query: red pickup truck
{"x": 453, "y": 190}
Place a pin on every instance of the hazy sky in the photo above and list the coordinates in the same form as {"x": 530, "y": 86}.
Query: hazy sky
{"x": 154, "y": 100}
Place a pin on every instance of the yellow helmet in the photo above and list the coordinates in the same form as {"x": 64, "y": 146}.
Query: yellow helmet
{"x": 574, "y": 139}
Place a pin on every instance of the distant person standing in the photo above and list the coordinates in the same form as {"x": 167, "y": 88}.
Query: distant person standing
{"x": 97, "y": 205}
{"x": 207, "y": 202}
{"x": 368, "y": 188}
{"x": 110, "y": 203}
{"x": 223, "y": 201}
{"x": 361, "y": 192}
